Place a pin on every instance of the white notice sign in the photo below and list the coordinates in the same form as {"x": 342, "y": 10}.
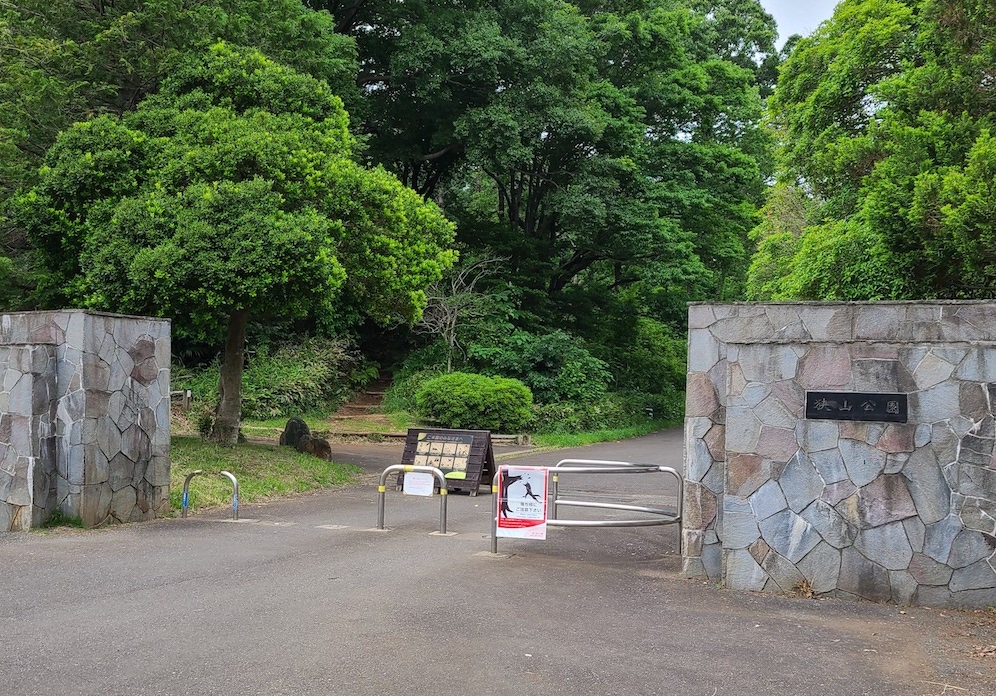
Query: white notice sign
{"x": 418, "y": 483}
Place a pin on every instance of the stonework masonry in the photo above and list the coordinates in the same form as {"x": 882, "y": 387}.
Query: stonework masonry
{"x": 888, "y": 512}
{"x": 84, "y": 417}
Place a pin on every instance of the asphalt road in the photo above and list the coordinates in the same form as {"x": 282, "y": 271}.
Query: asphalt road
{"x": 305, "y": 598}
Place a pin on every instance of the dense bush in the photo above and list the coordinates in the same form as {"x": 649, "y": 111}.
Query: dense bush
{"x": 402, "y": 395}
{"x": 477, "y": 402}
{"x": 649, "y": 357}
{"x": 555, "y": 366}
{"x": 314, "y": 375}
{"x": 566, "y": 417}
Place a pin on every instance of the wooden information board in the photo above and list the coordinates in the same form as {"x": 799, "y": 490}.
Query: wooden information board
{"x": 464, "y": 456}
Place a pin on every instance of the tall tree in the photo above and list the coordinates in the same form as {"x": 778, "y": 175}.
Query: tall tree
{"x": 595, "y": 145}
{"x": 63, "y": 61}
{"x": 886, "y": 115}
{"x": 230, "y": 193}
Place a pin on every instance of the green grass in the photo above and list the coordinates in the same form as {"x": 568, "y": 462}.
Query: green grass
{"x": 402, "y": 420}
{"x": 263, "y": 471}
{"x": 58, "y": 519}
{"x": 560, "y": 440}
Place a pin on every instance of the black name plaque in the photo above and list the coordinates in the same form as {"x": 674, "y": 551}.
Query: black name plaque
{"x": 857, "y": 406}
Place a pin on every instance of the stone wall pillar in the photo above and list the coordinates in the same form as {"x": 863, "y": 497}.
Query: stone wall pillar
{"x": 27, "y": 435}
{"x": 901, "y": 512}
{"x": 103, "y": 438}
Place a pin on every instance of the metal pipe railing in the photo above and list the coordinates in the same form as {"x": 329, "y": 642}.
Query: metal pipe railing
{"x": 555, "y": 481}
{"x": 382, "y": 491}
{"x": 596, "y": 467}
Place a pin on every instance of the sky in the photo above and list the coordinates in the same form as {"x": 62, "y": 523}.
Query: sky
{"x": 798, "y": 16}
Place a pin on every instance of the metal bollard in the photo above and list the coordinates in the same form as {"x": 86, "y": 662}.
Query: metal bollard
{"x": 382, "y": 491}
{"x": 186, "y": 493}
{"x": 494, "y": 511}
{"x": 235, "y": 493}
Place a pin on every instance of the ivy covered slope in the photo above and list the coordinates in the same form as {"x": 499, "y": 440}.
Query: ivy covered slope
{"x": 229, "y": 193}
{"x": 888, "y": 164}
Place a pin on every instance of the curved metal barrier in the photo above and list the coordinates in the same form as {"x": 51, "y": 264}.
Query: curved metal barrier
{"x": 382, "y": 491}
{"x": 595, "y": 466}
{"x": 186, "y": 493}
{"x": 235, "y": 493}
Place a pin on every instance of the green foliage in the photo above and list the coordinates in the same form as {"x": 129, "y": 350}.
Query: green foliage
{"x": 561, "y": 440}
{"x": 314, "y": 375}
{"x": 230, "y": 193}
{"x": 60, "y": 519}
{"x": 402, "y": 395}
{"x": 595, "y": 146}
{"x": 191, "y": 210}
{"x": 475, "y": 402}
{"x": 841, "y": 261}
{"x": 567, "y": 417}
{"x": 610, "y": 153}
{"x": 785, "y": 216}
{"x": 7, "y": 289}
{"x": 63, "y": 61}
{"x": 555, "y": 366}
{"x": 652, "y": 358}
{"x": 886, "y": 115}
{"x": 615, "y": 411}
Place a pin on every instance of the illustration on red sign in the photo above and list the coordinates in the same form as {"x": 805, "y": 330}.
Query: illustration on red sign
{"x": 522, "y": 506}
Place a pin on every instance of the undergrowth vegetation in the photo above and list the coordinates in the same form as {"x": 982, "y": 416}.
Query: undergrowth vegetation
{"x": 315, "y": 375}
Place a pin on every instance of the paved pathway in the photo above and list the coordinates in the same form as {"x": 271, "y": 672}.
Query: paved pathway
{"x": 308, "y": 600}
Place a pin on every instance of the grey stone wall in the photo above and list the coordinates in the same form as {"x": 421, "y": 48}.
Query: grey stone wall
{"x": 84, "y": 417}
{"x": 27, "y": 435}
{"x": 901, "y": 512}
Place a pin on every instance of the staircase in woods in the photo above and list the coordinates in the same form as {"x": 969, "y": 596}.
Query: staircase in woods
{"x": 359, "y": 415}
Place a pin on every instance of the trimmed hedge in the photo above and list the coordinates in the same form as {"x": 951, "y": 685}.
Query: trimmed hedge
{"x": 476, "y": 402}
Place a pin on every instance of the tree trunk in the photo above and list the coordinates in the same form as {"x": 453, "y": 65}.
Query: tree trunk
{"x": 449, "y": 353}
{"x": 228, "y": 415}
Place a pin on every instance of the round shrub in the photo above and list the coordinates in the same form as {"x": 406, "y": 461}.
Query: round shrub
{"x": 476, "y": 402}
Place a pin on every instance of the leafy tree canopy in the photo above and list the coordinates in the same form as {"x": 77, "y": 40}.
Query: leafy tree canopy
{"x": 594, "y": 145}
{"x": 230, "y": 193}
{"x": 886, "y": 119}
{"x": 63, "y": 61}
{"x": 612, "y": 152}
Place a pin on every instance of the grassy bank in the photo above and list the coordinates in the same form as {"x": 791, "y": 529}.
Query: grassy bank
{"x": 558, "y": 440}
{"x": 263, "y": 471}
